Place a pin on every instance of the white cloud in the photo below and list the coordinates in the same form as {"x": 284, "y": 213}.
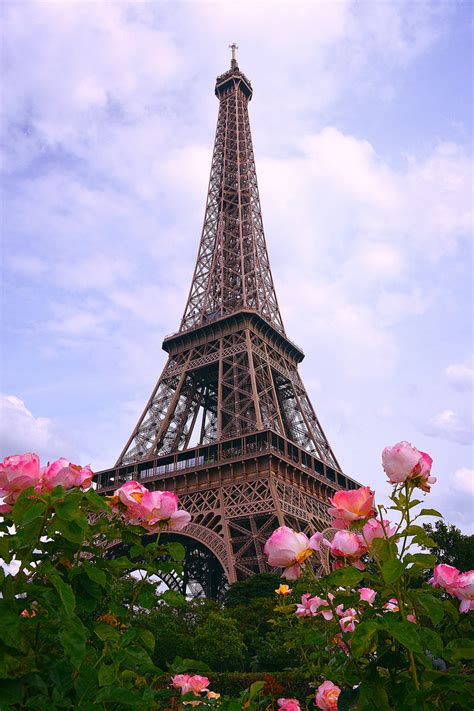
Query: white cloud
{"x": 449, "y": 425}
{"x": 22, "y": 432}
{"x": 463, "y": 481}
{"x": 461, "y": 375}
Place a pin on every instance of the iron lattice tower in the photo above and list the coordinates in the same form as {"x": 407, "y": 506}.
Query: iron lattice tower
{"x": 231, "y": 383}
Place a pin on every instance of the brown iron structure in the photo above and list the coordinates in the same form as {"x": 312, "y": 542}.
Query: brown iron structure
{"x": 231, "y": 383}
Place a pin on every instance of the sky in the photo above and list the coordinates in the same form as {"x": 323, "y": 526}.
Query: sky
{"x": 362, "y": 128}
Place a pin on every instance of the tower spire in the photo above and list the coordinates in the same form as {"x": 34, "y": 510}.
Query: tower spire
{"x": 233, "y": 62}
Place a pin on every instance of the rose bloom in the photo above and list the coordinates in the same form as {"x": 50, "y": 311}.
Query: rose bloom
{"x": 367, "y": 595}
{"x": 308, "y": 606}
{"x": 464, "y": 591}
{"x": 403, "y": 461}
{"x": 348, "y": 545}
{"x": 342, "y": 643}
{"x": 445, "y": 576}
{"x": 287, "y": 549}
{"x": 181, "y": 681}
{"x": 198, "y": 683}
{"x": 152, "y": 509}
{"x": 391, "y": 605}
{"x": 283, "y": 590}
{"x": 327, "y": 696}
{"x": 374, "y": 529}
{"x": 65, "y": 474}
{"x": 17, "y": 473}
{"x": 349, "y": 621}
{"x": 351, "y": 505}
{"x": 289, "y": 704}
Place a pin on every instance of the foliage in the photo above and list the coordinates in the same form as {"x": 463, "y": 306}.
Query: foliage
{"x": 451, "y": 546}
{"x": 219, "y": 643}
{"x": 67, "y": 639}
{"x": 262, "y": 585}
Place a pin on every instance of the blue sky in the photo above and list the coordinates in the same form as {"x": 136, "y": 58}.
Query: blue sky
{"x": 362, "y": 127}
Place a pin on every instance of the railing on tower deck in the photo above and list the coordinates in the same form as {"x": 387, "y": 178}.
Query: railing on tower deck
{"x": 208, "y": 455}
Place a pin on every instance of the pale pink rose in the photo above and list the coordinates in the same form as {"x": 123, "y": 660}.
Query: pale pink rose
{"x": 308, "y": 606}
{"x": 158, "y": 509}
{"x": 403, "y": 461}
{"x": 315, "y": 541}
{"x": 287, "y": 549}
{"x": 349, "y": 546}
{"x": 374, "y": 529}
{"x": 445, "y": 576}
{"x": 181, "y": 681}
{"x": 412, "y": 618}
{"x": 349, "y": 621}
{"x": 131, "y": 493}
{"x": 464, "y": 591}
{"x": 327, "y": 696}
{"x": 64, "y": 473}
{"x": 351, "y": 505}
{"x": 367, "y": 595}
{"x": 391, "y": 605}
{"x": 289, "y": 704}
{"x": 198, "y": 683}
{"x": 17, "y": 473}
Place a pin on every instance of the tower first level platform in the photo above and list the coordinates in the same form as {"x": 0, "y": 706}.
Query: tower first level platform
{"x": 238, "y": 491}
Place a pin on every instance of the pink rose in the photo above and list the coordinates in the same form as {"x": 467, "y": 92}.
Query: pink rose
{"x": 160, "y": 508}
{"x": 445, "y": 576}
{"x": 367, "y": 595}
{"x": 308, "y": 606}
{"x": 131, "y": 493}
{"x": 464, "y": 591}
{"x": 327, "y": 696}
{"x": 181, "y": 681}
{"x": 287, "y": 549}
{"x": 351, "y": 505}
{"x": 198, "y": 683}
{"x": 391, "y": 605}
{"x": 374, "y": 529}
{"x": 63, "y": 473}
{"x": 403, "y": 461}
{"x": 17, "y": 473}
{"x": 289, "y": 704}
{"x": 349, "y": 620}
{"x": 349, "y": 546}
{"x": 412, "y": 618}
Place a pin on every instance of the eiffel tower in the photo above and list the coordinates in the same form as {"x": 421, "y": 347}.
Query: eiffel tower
{"x": 260, "y": 458}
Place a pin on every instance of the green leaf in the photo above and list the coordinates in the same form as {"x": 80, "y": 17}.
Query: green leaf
{"x": 107, "y": 674}
{"x": 69, "y": 507}
{"x": 10, "y": 621}
{"x": 461, "y": 649}
{"x": 363, "y": 636}
{"x": 95, "y": 574}
{"x": 392, "y": 570}
{"x": 345, "y": 577}
{"x": 425, "y": 560}
{"x": 430, "y": 604}
{"x": 34, "y": 510}
{"x": 65, "y": 592}
{"x": 413, "y": 530}
{"x": 431, "y": 641}
{"x": 431, "y": 512}
{"x": 123, "y": 696}
{"x": 148, "y": 639}
{"x": 106, "y": 632}
{"x": 177, "y": 551}
{"x": 73, "y": 639}
{"x": 173, "y": 597}
{"x": 347, "y": 699}
{"x": 255, "y": 689}
{"x": 404, "y": 632}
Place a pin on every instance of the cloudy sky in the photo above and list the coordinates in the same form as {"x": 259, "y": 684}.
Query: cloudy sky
{"x": 361, "y": 125}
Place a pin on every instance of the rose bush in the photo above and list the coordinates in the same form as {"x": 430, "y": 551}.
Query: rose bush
{"x": 371, "y": 633}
